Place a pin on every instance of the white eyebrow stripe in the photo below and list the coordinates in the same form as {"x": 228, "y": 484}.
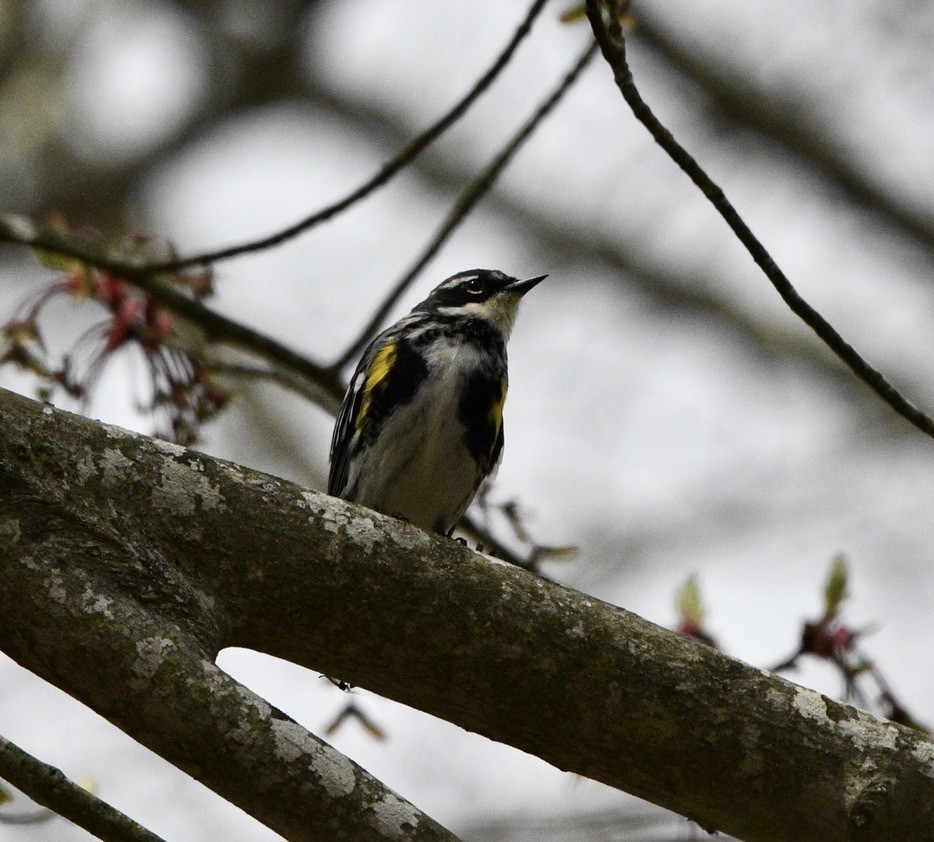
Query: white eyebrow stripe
{"x": 471, "y": 308}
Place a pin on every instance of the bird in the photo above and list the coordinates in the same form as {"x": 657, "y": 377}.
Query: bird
{"x": 421, "y": 424}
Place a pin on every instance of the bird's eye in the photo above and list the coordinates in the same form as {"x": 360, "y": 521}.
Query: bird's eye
{"x": 474, "y": 286}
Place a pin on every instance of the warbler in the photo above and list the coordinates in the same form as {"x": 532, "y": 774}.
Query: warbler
{"x": 421, "y": 425}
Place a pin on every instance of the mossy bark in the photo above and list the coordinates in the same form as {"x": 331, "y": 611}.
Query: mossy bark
{"x": 127, "y": 564}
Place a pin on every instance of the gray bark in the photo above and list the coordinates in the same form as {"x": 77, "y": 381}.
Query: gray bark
{"x": 47, "y": 786}
{"x": 127, "y": 564}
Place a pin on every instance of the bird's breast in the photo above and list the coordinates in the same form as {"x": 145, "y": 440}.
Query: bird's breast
{"x": 423, "y": 465}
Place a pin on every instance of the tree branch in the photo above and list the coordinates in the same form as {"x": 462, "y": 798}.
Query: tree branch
{"x": 47, "y": 786}
{"x": 613, "y": 46}
{"x": 281, "y": 78}
{"x": 464, "y": 204}
{"x": 133, "y": 619}
{"x": 215, "y": 326}
{"x": 124, "y": 562}
{"x": 681, "y": 292}
{"x": 783, "y": 120}
{"x": 385, "y": 173}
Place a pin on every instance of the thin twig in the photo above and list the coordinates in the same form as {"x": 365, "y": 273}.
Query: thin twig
{"x": 779, "y": 118}
{"x": 684, "y": 292}
{"x": 789, "y": 663}
{"x": 492, "y": 545}
{"x": 385, "y": 173}
{"x": 215, "y": 326}
{"x": 312, "y": 392}
{"x": 464, "y": 204}
{"x": 47, "y": 786}
{"x": 613, "y": 46}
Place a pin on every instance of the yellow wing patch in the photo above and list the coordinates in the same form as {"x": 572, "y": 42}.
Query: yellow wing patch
{"x": 496, "y": 409}
{"x": 377, "y": 373}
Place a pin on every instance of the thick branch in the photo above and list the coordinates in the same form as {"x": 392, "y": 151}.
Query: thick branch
{"x": 105, "y": 613}
{"x": 217, "y": 555}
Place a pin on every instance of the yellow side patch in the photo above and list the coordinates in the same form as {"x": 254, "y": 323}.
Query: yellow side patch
{"x": 496, "y": 409}
{"x": 377, "y": 373}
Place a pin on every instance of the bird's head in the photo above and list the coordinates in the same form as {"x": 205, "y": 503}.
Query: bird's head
{"x": 480, "y": 294}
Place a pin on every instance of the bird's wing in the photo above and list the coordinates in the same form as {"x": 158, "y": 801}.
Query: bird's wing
{"x": 497, "y": 453}
{"x": 481, "y": 413}
{"x": 345, "y": 428}
{"x": 387, "y": 376}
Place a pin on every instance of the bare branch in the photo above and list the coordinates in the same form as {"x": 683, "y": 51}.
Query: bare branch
{"x": 612, "y": 44}
{"x": 464, "y": 204}
{"x": 285, "y": 378}
{"x": 216, "y": 327}
{"x": 781, "y": 120}
{"x": 385, "y": 173}
{"x": 47, "y": 786}
{"x": 117, "y": 548}
{"x": 679, "y": 292}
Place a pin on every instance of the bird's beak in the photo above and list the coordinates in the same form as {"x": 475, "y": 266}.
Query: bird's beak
{"x": 522, "y": 287}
